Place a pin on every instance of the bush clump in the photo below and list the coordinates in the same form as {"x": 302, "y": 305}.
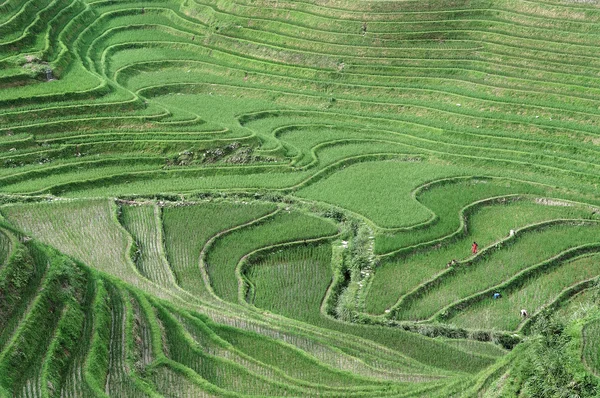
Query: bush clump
{"x": 553, "y": 367}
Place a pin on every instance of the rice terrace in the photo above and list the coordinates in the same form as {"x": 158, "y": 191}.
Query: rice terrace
{"x": 299, "y": 198}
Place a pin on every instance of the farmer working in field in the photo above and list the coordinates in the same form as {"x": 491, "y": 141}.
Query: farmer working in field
{"x": 474, "y": 248}
{"x": 451, "y": 263}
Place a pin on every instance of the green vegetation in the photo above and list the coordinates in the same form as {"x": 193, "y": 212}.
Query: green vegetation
{"x": 451, "y": 200}
{"x": 256, "y": 198}
{"x": 292, "y": 282}
{"x": 591, "y": 351}
{"x": 548, "y": 366}
{"x": 292, "y": 362}
{"x": 188, "y": 229}
{"x": 143, "y": 222}
{"x": 225, "y": 254}
{"x": 533, "y": 295}
{"x": 529, "y": 249}
{"x": 386, "y": 200}
{"x": 5, "y": 247}
{"x": 487, "y": 225}
{"x": 24, "y": 362}
{"x": 72, "y": 226}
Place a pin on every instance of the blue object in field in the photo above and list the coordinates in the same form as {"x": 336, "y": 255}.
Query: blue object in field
{"x": 497, "y": 296}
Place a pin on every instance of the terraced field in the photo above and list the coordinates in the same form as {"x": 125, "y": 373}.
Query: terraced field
{"x": 279, "y": 198}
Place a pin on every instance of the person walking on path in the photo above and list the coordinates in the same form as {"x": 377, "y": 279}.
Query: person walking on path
{"x": 474, "y": 248}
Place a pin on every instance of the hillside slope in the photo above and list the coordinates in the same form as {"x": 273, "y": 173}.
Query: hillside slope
{"x": 279, "y": 198}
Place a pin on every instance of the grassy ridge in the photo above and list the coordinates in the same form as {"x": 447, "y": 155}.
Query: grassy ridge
{"x": 201, "y": 222}
{"x": 143, "y": 223}
{"x": 525, "y": 252}
{"x": 536, "y": 292}
{"x": 25, "y": 359}
{"x": 488, "y": 224}
{"x": 223, "y": 257}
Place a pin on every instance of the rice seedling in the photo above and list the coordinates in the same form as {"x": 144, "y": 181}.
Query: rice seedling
{"x": 174, "y": 383}
{"x": 284, "y": 357}
{"x": 535, "y": 293}
{"x": 224, "y": 255}
{"x": 395, "y": 183}
{"x": 187, "y": 230}
{"x": 292, "y": 281}
{"x": 528, "y": 250}
{"x": 143, "y": 222}
{"x": 446, "y": 199}
{"x": 419, "y": 127}
{"x": 488, "y": 224}
{"x": 220, "y": 372}
{"x": 72, "y": 226}
{"x": 480, "y": 347}
{"x": 590, "y": 348}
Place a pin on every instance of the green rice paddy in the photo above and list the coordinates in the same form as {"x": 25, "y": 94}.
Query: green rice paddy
{"x": 205, "y": 198}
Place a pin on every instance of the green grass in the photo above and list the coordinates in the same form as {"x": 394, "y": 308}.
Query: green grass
{"x": 391, "y": 120}
{"x": 380, "y": 191}
{"x": 5, "y": 248}
{"x": 505, "y": 313}
{"x": 40, "y": 184}
{"x": 292, "y": 281}
{"x": 22, "y": 279}
{"x": 223, "y": 257}
{"x": 591, "y": 351}
{"x": 487, "y": 225}
{"x": 143, "y": 222}
{"x": 180, "y": 182}
{"x": 48, "y": 310}
{"x": 187, "y": 229}
{"x": 578, "y": 306}
{"x": 529, "y": 249}
{"x": 219, "y": 110}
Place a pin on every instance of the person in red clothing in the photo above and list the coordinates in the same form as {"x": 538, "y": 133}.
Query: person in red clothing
{"x": 474, "y": 248}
